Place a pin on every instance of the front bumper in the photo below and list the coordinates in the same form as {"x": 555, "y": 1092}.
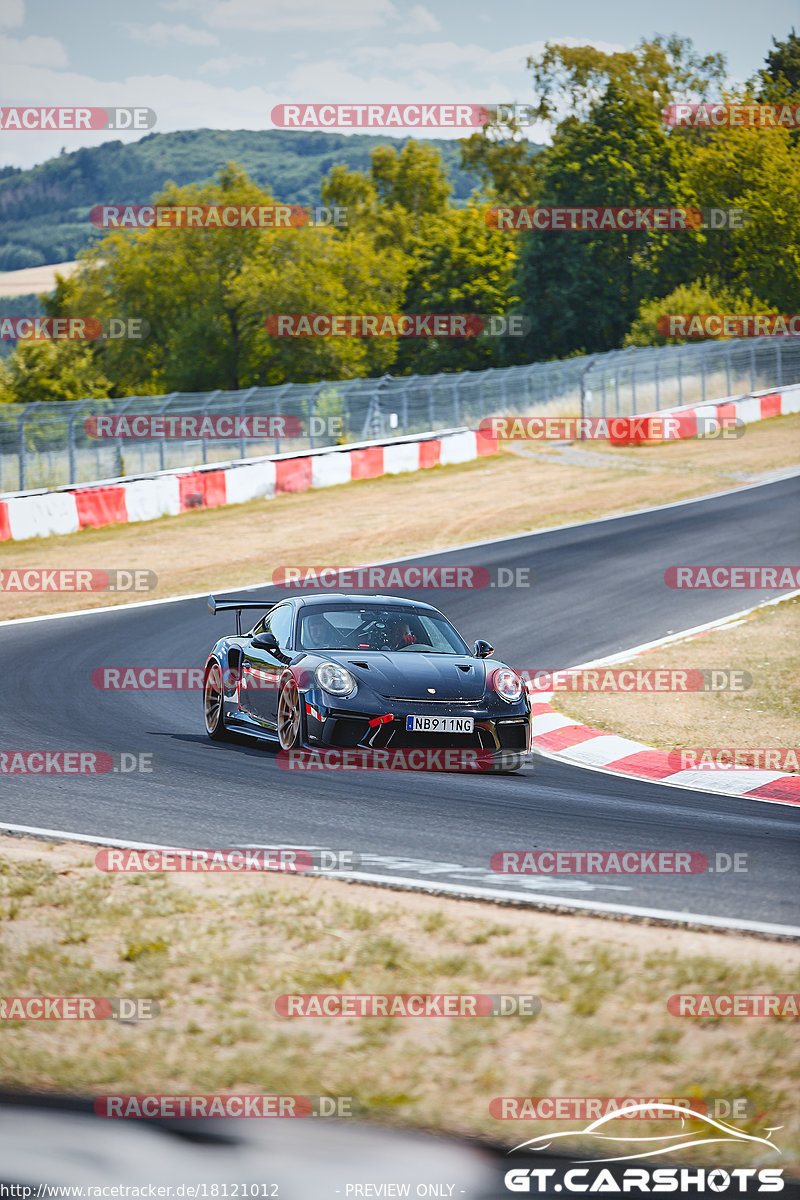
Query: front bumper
{"x": 329, "y": 725}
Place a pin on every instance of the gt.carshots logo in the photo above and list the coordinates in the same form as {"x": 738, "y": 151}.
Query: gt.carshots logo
{"x": 76, "y": 118}
{"x": 426, "y": 1004}
{"x": 391, "y": 578}
{"x": 72, "y": 579}
{"x": 77, "y": 1008}
{"x": 732, "y": 577}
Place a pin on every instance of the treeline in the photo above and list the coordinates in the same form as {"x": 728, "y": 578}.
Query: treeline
{"x": 409, "y": 248}
{"x": 44, "y": 211}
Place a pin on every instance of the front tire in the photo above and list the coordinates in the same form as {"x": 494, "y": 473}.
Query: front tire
{"x": 290, "y": 716}
{"x": 213, "y": 703}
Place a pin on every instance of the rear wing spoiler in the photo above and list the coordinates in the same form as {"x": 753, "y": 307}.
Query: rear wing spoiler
{"x": 238, "y": 606}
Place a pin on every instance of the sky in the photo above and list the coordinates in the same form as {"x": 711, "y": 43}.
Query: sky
{"x": 224, "y": 64}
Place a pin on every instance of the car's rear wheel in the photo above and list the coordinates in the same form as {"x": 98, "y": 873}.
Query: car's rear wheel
{"x": 213, "y": 703}
{"x": 290, "y": 718}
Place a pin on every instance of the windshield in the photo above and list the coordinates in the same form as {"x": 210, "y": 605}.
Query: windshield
{"x": 379, "y": 628}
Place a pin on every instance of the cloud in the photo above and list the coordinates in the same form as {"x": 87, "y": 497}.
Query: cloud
{"x": 234, "y": 62}
{"x": 420, "y": 20}
{"x": 275, "y": 16}
{"x": 160, "y": 34}
{"x": 12, "y": 13}
{"x": 32, "y": 51}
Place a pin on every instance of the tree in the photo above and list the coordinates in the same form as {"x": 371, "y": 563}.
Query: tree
{"x": 701, "y": 296}
{"x": 780, "y": 78}
{"x": 583, "y": 288}
{"x": 48, "y": 370}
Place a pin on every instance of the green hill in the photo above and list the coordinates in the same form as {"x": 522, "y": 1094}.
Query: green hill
{"x": 44, "y": 210}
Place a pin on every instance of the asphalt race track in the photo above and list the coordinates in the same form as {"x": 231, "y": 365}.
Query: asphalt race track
{"x": 598, "y": 589}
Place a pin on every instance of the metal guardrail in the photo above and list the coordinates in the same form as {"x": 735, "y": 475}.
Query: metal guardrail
{"x": 47, "y": 445}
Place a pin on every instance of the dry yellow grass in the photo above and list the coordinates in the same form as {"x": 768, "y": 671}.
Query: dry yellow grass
{"x": 383, "y": 518}
{"x": 216, "y": 950}
{"x": 766, "y": 645}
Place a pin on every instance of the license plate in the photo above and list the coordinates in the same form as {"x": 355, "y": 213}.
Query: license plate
{"x": 440, "y": 724}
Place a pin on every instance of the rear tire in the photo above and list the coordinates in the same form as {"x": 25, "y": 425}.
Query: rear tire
{"x": 290, "y": 717}
{"x": 213, "y": 703}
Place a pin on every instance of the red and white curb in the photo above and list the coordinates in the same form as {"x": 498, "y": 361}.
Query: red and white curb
{"x": 558, "y": 736}
{"x": 747, "y": 409}
{"x": 168, "y": 493}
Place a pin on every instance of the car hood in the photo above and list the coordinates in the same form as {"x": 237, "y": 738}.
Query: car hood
{"x": 410, "y": 676}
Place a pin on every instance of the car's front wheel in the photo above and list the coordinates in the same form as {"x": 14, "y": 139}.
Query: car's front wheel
{"x": 290, "y": 718}
{"x": 213, "y": 703}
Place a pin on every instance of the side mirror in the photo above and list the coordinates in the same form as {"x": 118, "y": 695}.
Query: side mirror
{"x": 483, "y": 649}
{"x": 266, "y": 641}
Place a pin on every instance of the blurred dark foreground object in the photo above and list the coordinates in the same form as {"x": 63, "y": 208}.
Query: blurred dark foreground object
{"x": 59, "y": 1141}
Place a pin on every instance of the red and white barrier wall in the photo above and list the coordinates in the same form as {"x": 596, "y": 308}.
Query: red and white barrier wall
{"x": 755, "y": 406}
{"x": 118, "y": 501}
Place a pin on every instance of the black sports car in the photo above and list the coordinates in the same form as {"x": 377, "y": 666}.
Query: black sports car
{"x": 374, "y": 672}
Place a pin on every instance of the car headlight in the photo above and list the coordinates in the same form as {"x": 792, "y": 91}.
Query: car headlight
{"x": 507, "y": 684}
{"x": 335, "y": 679}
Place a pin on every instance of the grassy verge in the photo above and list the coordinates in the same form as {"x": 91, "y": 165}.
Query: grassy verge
{"x": 529, "y": 488}
{"x": 216, "y": 950}
{"x": 766, "y": 644}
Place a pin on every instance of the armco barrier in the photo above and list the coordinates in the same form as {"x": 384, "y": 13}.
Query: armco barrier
{"x": 119, "y": 501}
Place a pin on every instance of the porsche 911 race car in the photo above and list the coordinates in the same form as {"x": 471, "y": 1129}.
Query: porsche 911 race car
{"x": 372, "y": 672}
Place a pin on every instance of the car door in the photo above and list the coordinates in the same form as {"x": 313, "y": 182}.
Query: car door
{"x": 262, "y": 668}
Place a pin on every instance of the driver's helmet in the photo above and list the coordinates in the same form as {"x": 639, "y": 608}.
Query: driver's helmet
{"x": 401, "y": 633}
